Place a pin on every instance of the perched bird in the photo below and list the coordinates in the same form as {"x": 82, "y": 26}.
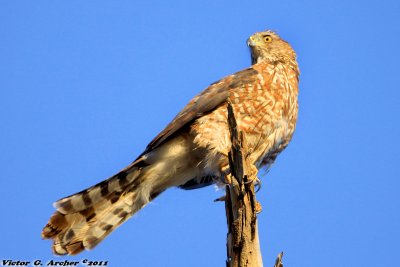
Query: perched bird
{"x": 191, "y": 152}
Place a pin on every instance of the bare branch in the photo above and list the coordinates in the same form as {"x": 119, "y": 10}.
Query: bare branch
{"x": 278, "y": 262}
{"x": 243, "y": 247}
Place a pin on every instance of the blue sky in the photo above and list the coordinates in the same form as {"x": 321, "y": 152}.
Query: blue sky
{"x": 85, "y": 85}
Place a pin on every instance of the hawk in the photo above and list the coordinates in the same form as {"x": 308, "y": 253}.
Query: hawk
{"x": 191, "y": 152}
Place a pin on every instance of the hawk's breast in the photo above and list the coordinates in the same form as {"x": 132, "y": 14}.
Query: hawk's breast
{"x": 265, "y": 108}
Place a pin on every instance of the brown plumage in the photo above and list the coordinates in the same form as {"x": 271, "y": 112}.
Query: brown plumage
{"x": 191, "y": 152}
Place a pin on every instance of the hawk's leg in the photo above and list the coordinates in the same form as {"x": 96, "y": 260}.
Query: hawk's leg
{"x": 226, "y": 175}
{"x": 251, "y": 170}
{"x": 224, "y": 179}
{"x": 252, "y": 177}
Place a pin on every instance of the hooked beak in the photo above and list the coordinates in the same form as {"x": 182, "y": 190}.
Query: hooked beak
{"x": 250, "y": 42}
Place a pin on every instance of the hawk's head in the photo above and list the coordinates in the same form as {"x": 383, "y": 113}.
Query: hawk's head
{"x": 268, "y": 46}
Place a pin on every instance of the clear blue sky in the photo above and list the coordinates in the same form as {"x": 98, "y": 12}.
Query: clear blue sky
{"x": 85, "y": 85}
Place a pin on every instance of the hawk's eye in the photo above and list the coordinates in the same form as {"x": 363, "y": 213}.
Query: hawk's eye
{"x": 267, "y": 38}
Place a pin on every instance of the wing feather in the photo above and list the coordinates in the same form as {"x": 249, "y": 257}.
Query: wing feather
{"x": 212, "y": 97}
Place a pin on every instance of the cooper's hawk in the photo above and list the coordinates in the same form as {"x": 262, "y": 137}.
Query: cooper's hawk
{"x": 191, "y": 152}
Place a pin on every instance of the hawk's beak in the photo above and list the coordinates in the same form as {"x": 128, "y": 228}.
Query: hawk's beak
{"x": 250, "y": 42}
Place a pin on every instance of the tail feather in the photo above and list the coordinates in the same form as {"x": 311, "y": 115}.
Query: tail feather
{"x": 76, "y": 228}
{"x": 88, "y": 197}
{"x": 84, "y": 219}
{"x": 110, "y": 219}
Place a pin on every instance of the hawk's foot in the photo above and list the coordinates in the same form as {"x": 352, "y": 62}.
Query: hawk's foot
{"x": 252, "y": 177}
{"x": 258, "y": 207}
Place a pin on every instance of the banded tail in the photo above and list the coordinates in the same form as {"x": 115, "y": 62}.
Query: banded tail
{"x": 84, "y": 219}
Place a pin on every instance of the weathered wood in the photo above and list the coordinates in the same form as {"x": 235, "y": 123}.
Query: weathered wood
{"x": 278, "y": 262}
{"x": 243, "y": 247}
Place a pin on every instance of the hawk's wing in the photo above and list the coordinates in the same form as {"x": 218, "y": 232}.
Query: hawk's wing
{"x": 213, "y": 96}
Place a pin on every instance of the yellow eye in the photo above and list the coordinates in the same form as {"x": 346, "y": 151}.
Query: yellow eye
{"x": 268, "y": 38}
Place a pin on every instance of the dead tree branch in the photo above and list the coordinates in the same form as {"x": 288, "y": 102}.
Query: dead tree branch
{"x": 278, "y": 262}
{"x": 243, "y": 247}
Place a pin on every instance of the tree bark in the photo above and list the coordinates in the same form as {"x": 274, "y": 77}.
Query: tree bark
{"x": 278, "y": 262}
{"x": 243, "y": 247}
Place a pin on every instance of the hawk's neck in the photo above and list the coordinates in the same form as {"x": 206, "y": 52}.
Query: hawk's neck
{"x": 288, "y": 62}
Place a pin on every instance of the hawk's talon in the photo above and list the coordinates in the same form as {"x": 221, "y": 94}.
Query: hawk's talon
{"x": 258, "y": 207}
{"x": 225, "y": 175}
{"x": 258, "y": 185}
{"x": 227, "y": 180}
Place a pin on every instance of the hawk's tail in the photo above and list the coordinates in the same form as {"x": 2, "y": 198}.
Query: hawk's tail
{"x": 84, "y": 219}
